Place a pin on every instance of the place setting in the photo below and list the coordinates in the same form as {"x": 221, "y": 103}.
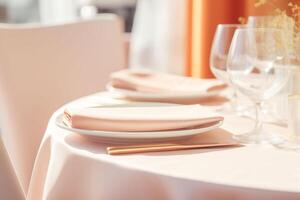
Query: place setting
{"x": 145, "y": 126}
{"x": 150, "y": 86}
{"x": 161, "y": 108}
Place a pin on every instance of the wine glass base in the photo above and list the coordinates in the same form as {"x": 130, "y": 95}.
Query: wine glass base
{"x": 259, "y": 138}
{"x": 267, "y": 116}
{"x": 230, "y": 108}
{"x": 289, "y": 145}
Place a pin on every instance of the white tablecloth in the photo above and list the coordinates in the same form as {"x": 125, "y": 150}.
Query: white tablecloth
{"x": 71, "y": 167}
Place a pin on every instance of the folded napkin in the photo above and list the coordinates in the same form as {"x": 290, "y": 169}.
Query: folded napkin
{"x": 155, "y": 82}
{"x": 139, "y": 118}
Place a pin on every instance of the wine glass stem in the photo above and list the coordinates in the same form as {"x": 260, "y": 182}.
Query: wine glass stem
{"x": 234, "y": 99}
{"x": 258, "y": 117}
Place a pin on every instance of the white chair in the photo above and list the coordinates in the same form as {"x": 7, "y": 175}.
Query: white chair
{"x": 41, "y": 68}
{"x": 9, "y": 186}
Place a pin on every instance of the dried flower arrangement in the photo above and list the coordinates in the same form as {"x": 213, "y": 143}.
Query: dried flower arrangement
{"x": 289, "y": 21}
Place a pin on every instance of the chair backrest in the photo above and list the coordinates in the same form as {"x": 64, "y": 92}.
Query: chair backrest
{"x": 43, "y": 67}
{"x": 9, "y": 186}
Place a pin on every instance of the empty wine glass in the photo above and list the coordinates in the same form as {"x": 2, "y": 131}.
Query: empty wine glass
{"x": 218, "y": 59}
{"x": 257, "y": 67}
{"x": 275, "y": 109}
{"x": 261, "y": 21}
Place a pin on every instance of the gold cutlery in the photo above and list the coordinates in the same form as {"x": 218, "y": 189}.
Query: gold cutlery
{"x": 131, "y": 149}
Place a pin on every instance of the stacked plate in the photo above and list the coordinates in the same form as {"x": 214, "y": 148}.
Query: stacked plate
{"x": 161, "y": 122}
{"x": 145, "y": 85}
{"x": 118, "y": 136}
{"x": 158, "y": 97}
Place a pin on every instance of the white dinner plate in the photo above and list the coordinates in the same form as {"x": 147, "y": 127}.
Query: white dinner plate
{"x": 144, "y": 96}
{"x": 131, "y": 137}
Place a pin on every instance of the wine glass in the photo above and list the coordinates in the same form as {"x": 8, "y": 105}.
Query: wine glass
{"x": 274, "y": 110}
{"x": 261, "y": 21}
{"x": 218, "y": 59}
{"x": 256, "y": 65}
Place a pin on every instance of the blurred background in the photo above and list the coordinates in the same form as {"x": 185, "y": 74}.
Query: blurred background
{"x": 51, "y": 11}
{"x": 171, "y": 36}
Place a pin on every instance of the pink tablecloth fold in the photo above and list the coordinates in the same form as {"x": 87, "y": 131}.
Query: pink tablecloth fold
{"x": 155, "y": 118}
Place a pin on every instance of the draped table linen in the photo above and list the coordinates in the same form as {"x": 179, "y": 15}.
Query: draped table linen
{"x": 69, "y": 166}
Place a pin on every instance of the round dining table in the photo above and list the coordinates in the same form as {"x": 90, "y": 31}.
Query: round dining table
{"x": 72, "y": 166}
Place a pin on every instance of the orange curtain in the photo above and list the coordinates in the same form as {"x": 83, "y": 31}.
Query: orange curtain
{"x": 203, "y": 17}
